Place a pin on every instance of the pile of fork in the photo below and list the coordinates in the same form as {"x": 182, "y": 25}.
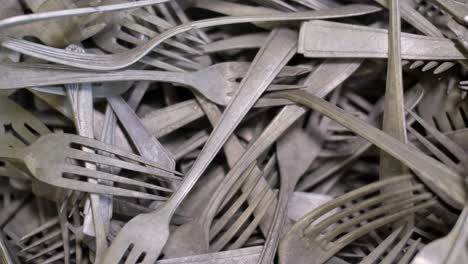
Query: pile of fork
{"x": 228, "y": 131}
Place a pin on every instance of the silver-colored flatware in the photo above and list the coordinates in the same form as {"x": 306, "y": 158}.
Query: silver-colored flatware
{"x": 217, "y": 82}
{"x": 124, "y": 59}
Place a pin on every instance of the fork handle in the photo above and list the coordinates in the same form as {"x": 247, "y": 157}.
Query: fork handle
{"x": 27, "y": 75}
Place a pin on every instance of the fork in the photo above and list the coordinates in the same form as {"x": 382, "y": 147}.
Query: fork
{"x": 276, "y": 53}
{"x": 448, "y": 188}
{"x": 127, "y": 58}
{"x": 319, "y": 240}
{"x": 54, "y": 170}
{"x": 217, "y": 82}
{"x": 29, "y": 18}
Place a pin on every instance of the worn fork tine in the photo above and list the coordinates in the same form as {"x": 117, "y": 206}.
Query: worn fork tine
{"x": 100, "y": 159}
{"x": 42, "y": 240}
{"x": 40, "y": 229}
{"x": 97, "y": 145}
{"x": 393, "y": 254}
{"x": 406, "y": 258}
{"x": 48, "y": 249}
{"x": 443, "y": 139}
{"x": 254, "y": 224}
{"x": 361, "y": 206}
{"x": 342, "y": 200}
{"x": 390, "y": 207}
{"x": 382, "y": 247}
{"x": 101, "y": 175}
{"x": 346, "y": 239}
{"x": 433, "y": 149}
{"x": 104, "y": 189}
{"x": 217, "y": 227}
{"x": 133, "y": 256}
{"x": 229, "y": 234}
{"x": 25, "y": 134}
{"x": 57, "y": 257}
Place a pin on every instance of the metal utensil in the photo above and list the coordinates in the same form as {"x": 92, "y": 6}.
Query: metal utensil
{"x": 217, "y": 82}
{"x": 124, "y": 59}
{"x": 52, "y": 169}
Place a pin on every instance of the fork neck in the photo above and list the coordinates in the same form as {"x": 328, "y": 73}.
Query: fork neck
{"x": 11, "y": 154}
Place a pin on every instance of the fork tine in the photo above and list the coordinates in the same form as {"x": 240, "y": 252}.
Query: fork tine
{"x": 410, "y": 252}
{"x": 443, "y": 139}
{"x": 105, "y": 189}
{"x": 343, "y": 199}
{"x": 101, "y": 175}
{"x": 97, "y": 145}
{"x": 355, "y": 234}
{"x": 133, "y": 256}
{"x": 41, "y": 228}
{"x": 250, "y": 180}
{"x": 152, "y": 19}
{"x": 92, "y": 30}
{"x": 42, "y": 240}
{"x": 246, "y": 233}
{"x": 24, "y": 133}
{"x": 416, "y": 64}
{"x": 433, "y": 149}
{"x": 395, "y": 205}
{"x": 229, "y": 234}
{"x": 217, "y": 227}
{"x": 429, "y": 66}
{"x": 393, "y": 254}
{"x": 444, "y": 67}
{"x": 382, "y": 247}
{"x": 361, "y": 206}
{"x": 238, "y": 184}
{"x": 46, "y": 250}
{"x": 57, "y": 257}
